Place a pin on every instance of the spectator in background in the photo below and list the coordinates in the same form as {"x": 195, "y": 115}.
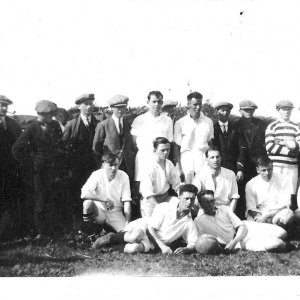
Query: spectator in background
{"x": 283, "y": 142}
{"x": 46, "y": 157}
{"x": 9, "y": 182}
{"x": 62, "y": 117}
{"x": 232, "y": 148}
{"x": 145, "y": 128}
{"x": 78, "y": 138}
{"x": 193, "y": 134}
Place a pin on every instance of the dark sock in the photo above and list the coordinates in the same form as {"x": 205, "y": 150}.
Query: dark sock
{"x": 117, "y": 238}
{"x": 88, "y": 227}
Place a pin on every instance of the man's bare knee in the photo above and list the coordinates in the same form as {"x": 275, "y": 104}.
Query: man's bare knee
{"x": 134, "y": 248}
{"x": 275, "y": 245}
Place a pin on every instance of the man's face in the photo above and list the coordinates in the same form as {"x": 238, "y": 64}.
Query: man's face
{"x": 86, "y": 107}
{"x": 45, "y": 117}
{"x": 155, "y": 105}
{"x": 265, "y": 172}
{"x": 223, "y": 113}
{"x": 60, "y": 116}
{"x": 186, "y": 201}
{"x": 162, "y": 151}
{"x": 214, "y": 159}
{"x": 208, "y": 204}
{"x": 119, "y": 111}
{"x": 285, "y": 113}
{"x": 111, "y": 169}
{"x": 194, "y": 107}
{"x": 247, "y": 113}
{"x": 3, "y": 109}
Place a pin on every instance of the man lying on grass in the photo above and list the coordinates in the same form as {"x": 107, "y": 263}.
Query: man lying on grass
{"x": 233, "y": 233}
{"x": 169, "y": 222}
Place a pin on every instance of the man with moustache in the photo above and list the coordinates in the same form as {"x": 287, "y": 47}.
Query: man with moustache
{"x": 193, "y": 134}
{"x": 78, "y": 138}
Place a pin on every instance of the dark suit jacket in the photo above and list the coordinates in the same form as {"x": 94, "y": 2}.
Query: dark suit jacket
{"x": 231, "y": 147}
{"x": 254, "y": 137}
{"x": 78, "y": 140}
{"x": 107, "y": 135}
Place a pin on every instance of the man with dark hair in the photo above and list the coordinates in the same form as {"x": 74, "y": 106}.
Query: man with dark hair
{"x": 233, "y": 233}
{"x": 146, "y": 127}
{"x": 268, "y": 195}
{"x": 159, "y": 177}
{"x": 170, "y": 221}
{"x": 46, "y": 157}
{"x": 193, "y": 134}
{"x": 218, "y": 179}
{"x": 78, "y": 137}
{"x": 106, "y": 195}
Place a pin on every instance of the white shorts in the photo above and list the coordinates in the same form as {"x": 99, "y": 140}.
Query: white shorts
{"x": 115, "y": 219}
{"x": 290, "y": 172}
{"x": 192, "y": 162}
{"x": 141, "y": 224}
{"x": 260, "y": 234}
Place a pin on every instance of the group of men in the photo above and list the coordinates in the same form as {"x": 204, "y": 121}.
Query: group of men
{"x": 220, "y": 174}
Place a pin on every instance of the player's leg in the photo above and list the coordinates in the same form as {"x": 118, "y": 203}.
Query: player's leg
{"x": 91, "y": 217}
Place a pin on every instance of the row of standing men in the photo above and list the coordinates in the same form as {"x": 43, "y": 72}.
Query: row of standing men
{"x": 57, "y": 157}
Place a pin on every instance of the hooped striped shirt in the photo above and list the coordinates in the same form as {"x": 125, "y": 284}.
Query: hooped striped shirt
{"x": 278, "y": 133}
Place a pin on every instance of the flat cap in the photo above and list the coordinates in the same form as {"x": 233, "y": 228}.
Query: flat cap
{"x": 45, "y": 106}
{"x": 284, "y": 103}
{"x": 170, "y": 103}
{"x": 118, "y": 100}
{"x": 247, "y": 104}
{"x": 5, "y": 100}
{"x": 84, "y": 97}
{"x": 223, "y": 103}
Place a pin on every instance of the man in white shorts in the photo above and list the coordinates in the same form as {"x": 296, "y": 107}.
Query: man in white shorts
{"x": 159, "y": 177}
{"x": 146, "y": 127}
{"x": 233, "y": 233}
{"x": 193, "y": 135}
{"x": 107, "y": 197}
{"x": 268, "y": 196}
{"x": 220, "y": 180}
{"x": 169, "y": 222}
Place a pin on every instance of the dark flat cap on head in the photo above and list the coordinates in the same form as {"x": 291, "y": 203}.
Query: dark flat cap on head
{"x": 223, "y": 103}
{"x": 84, "y": 97}
{"x": 247, "y": 104}
{"x": 284, "y": 103}
{"x": 45, "y": 106}
{"x": 118, "y": 100}
{"x": 170, "y": 103}
{"x": 5, "y": 100}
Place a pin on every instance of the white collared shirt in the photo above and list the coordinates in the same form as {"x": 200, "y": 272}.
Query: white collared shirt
{"x": 86, "y": 120}
{"x": 192, "y": 134}
{"x": 226, "y": 187}
{"x": 116, "y": 120}
{"x": 117, "y": 190}
{"x": 222, "y": 126}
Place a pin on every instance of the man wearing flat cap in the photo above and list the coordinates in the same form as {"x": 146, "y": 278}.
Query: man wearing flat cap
{"x": 78, "y": 138}
{"x": 231, "y": 146}
{"x": 282, "y": 143}
{"x": 9, "y": 132}
{"x": 40, "y": 147}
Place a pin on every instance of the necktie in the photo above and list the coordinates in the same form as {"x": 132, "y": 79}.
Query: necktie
{"x": 224, "y": 129}
{"x": 120, "y": 127}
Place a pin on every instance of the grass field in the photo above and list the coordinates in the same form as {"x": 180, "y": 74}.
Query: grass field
{"x": 27, "y": 258}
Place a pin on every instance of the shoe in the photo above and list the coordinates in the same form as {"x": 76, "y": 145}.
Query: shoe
{"x": 102, "y": 241}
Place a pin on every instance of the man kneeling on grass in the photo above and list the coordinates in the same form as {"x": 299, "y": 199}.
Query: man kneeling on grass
{"x": 106, "y": 195}
{"x": 233, "y": 233}
{"x": 169, "y": 222}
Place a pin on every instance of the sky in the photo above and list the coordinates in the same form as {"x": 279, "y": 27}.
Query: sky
{"x": 227, "y": 50}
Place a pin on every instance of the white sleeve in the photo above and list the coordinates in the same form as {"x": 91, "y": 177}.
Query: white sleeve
{"x": 191, "y": 234}
{"x": 170, "y": 130}
{"x": 177, "y": 133}
{"x": 126, "y": 193}
{"x": 211, "y": 130}
{"x": 251, "y": 198}
{"x": 146, "y": 184}
{"x": 135, "y": 126}
{"x": 234, "y": 193}
{"x": 158, "y": 215}
{"x": 89, "y": 186}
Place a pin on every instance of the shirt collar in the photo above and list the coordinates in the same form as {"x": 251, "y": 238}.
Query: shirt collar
{"x": 84, "y": 118}
{"x": 117, "y": 119}
{"x": 222, "y": 124}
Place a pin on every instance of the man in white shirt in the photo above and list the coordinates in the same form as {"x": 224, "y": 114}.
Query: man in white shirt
{"x": 268, "y": 195}
{"x": 160, "y": 175}
{"x": 170, "y": 221}
{"x": 146, "y": 127}
{"x": 193, "y": 135}
{"x": 106, "y": 195}
{"x": 220, "y": 180}
{"x": 233, "y": 233}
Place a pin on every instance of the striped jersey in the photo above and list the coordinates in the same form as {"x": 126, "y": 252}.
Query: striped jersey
{"x": 277, "y": 134}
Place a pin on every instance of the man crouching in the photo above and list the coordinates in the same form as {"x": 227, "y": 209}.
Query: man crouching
{"x": 169, "y": 222}
{"x": 107, "y": 197}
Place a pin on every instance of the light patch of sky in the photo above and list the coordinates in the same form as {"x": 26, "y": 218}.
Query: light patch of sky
{"x": 58, "y": 50}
